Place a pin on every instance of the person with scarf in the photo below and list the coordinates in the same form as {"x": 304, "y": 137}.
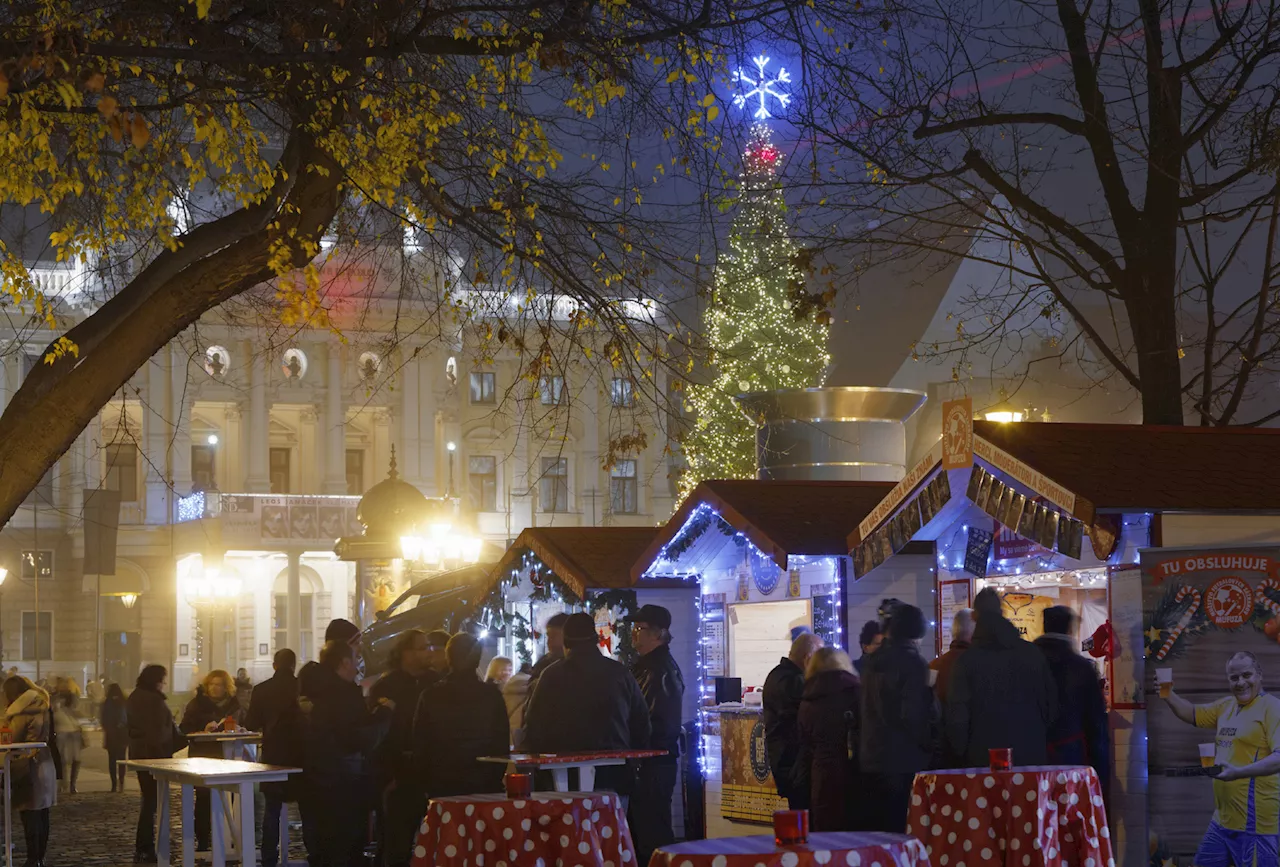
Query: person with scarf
{"x": 214, "y": 701}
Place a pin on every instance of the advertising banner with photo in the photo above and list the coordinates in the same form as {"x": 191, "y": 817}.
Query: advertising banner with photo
{"x": 257, "y": 520}
{"x": 1211, "y": 618}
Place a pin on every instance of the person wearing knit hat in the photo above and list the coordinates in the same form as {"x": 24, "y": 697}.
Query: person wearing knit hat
{"x": 587, "y": 702}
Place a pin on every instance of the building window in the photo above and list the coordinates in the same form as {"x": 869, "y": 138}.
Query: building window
{"x": 203, "y": 463}
{"x": 622, "y": 392}
{"x": 482, "y": 482}
{"x": 551, "y": 390}
{"x": 483, "y": 388}
{"x": 622, "y": 488}
{"x": 554, "y": 486}
{"x": 37, "y": 635}
{"x": 29, "y": 559}
{"x": 122, "y": 471}
{"x": 41, "y": 495}
{"x": 279, "y": 464}
{"x": 280, "y": 625}
{"x": 355, "y": 472}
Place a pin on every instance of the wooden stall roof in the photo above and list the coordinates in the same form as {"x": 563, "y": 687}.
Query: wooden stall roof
{"x": 585, "y": 558}
{"x": 1153, "y": 468}
{"x": 780, "y": 518}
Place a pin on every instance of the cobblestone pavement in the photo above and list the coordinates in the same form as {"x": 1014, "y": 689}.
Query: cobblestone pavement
{"x": 95, "y": 828}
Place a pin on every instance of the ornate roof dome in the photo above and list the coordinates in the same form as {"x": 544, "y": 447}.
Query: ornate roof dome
{"x": 392, "y": 506}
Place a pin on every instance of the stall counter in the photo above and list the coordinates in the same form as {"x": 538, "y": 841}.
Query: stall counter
{"x": 745, "y": 792}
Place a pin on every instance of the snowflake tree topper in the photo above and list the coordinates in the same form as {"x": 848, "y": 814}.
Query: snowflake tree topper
{"x": 762, "y": 88}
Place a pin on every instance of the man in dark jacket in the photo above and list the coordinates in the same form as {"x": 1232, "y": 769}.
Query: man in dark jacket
{"x": 662, "y": 686}
{"x": 273, "y": 710}
{"x": 459, "y": 719}
{"x": 342, "y": 737}
{"x": 401, "y": 791}
{"x": 1079, "y": 734}
{"x": 898, "y": 720}
{"x": 587, "y": 702}
{"x": 337, "y": 630}
{"x": 1001, "y": 695}
{"x": 783, "y": 690}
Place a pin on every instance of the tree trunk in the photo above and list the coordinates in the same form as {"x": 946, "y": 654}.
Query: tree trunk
{"x": 55, "y": 404}
{"x": 1154, "y": 323}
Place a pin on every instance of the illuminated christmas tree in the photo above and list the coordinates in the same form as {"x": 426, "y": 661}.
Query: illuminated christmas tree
{"x": 758, "y": 338}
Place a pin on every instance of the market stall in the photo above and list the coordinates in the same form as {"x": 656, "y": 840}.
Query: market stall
{"x": 1056, "y": 514}
{"x": 552, "y": 569}
{"x": 770, "y": 559}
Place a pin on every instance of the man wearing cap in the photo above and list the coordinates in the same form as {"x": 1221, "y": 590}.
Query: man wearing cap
{"x": 662, "y": 686}
{"x": 587, "y": 702}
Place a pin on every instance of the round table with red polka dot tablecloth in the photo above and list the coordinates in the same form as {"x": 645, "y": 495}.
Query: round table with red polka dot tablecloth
{"x": 547, "y": 829}
{"x": 1025, "y": 817}
{"x": 837, "y": 849}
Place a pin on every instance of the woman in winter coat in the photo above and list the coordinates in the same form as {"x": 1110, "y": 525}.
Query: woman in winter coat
{"x": 35, "y": 787}
{"x": 70, "y": 737}
{"x": 829, "y": 722}
{"x": 152, "y": 735}
{"x": 113, "y": 715}
{"x": 214, "y": 701}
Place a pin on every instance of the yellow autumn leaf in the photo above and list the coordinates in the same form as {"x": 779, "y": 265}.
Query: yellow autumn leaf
{"x": 708, "y": 99}
{"x": 712, "y": 113}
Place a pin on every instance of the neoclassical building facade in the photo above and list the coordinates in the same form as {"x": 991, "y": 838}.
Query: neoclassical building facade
{"x": 240, "y": 451}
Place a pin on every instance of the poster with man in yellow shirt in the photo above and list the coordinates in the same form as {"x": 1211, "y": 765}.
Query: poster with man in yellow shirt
{"x": 1210, "y": 618}
{"x": 1245, "y": 828}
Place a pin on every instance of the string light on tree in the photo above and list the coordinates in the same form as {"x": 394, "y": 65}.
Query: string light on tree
{"x": 760, "y": 339}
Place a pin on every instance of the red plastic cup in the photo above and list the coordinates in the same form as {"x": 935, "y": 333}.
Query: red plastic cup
{"x": 1001, "y": 759}
{"x": 518, "y": 785}
{"x": 229, "y": 724}
{"x": 790, "y": 827}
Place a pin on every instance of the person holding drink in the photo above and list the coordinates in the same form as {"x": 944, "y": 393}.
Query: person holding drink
{"x": 214, "y": 708}
{"x": 1245, "y": 828}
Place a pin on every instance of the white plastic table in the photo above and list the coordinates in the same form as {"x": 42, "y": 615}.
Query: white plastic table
{"x": 241, "y": 745}
{"x": 235, "y": 745}
{"x": 560, "y": 763}
{"x": 8, "y": 750}
{"x": 223, "y": 776}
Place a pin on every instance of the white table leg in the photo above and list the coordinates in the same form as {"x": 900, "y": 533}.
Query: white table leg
{"x": 587, "y": 778}
{"x": 246, "y": 826}
{"x": 218, "y": 821}
{"x": 560, "y": 779}
{"x": 8, "y": 815}
{"x": 188, "y": 826}
{"x": 284, "y": 834}
{"x": 231, "y": 811}
{"x": 162, "y": 831}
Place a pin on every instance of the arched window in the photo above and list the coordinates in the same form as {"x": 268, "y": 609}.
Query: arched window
{"x": 310, "y": 587}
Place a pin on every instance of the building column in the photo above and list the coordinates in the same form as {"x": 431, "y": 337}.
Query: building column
{"x": 228, "y": 459}
{"x": 335, "y": 427}
{"x": 294, "y": 602}
{"x": 428, "y": 401}
{"x": 155, "y": 435}
{"x": 410, "y": 424}
{"x": 181, "y": 403}
{"x": 258, "y": 480}
{"x": 310, "y": 451}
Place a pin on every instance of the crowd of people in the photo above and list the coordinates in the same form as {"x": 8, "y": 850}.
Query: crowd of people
{"x": 419, "y": 731}
{"x": 845, "y": 739}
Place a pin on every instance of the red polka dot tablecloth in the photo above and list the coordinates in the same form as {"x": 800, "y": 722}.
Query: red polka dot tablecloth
{"x": 547, "y": 829}
{"x": 1025, "y": 817}
{"x": 835, "y": 849}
